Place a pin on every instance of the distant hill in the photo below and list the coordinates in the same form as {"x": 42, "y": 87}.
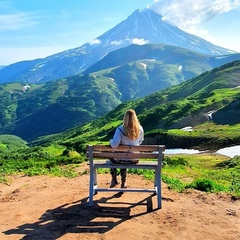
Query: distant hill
{"x": 146, "y": 27}
{"x": 186, "y": 104}
{"x": 30, "y": 111}
{"x": 184, "y": 60}
{"x": 9, "y": 143}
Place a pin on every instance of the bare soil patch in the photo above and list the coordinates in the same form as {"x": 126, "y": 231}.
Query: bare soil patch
{"x": 47, "y": 208}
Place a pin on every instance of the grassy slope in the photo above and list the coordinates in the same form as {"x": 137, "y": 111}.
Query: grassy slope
{"x": 179, "y": 106}
{"x": 203, "y": 172}
{"x": 134, "y": 72}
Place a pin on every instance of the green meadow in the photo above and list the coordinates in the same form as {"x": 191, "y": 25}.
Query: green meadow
{"x": 205, "y": 171}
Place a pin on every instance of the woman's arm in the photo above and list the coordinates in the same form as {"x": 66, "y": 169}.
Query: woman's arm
{"x": 114, "y": 143}
{"x": 141, "y": 137}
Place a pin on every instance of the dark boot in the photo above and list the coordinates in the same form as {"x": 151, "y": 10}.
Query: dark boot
{"x": 123, "y": 172}
{"x": 114, "y": 181}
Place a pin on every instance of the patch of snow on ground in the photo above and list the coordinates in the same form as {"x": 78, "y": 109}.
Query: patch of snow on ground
{"x": 181, "y": 151}
{"x": 187, "y": 129}
{"x": 230, "y": 151}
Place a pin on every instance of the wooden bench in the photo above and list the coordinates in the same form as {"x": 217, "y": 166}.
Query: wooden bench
{"x": 103, "y": 152}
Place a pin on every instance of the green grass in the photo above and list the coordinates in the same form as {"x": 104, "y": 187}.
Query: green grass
{"x": 204, "y": 172}
{"x": 55, "y": 149}
{"x": 209, "y": 173}
{"x": 53, "y": 160}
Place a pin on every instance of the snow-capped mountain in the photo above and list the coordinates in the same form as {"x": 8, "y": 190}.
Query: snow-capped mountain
{"x": 141, "y": 27}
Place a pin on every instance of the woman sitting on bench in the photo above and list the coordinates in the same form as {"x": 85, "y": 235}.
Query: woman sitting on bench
{"x": 130, "y": 133}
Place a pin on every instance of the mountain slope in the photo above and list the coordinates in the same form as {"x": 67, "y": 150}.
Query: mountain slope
{"x": 186, "y": 104}
{"x": 55, "y": 106}
{"x": 145, "y": 26}
{"x": 165, "y": 54}
{"x": 30, "y": 111}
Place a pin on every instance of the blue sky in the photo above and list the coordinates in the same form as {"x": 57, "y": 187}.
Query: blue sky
{"x": 32, "y": 29}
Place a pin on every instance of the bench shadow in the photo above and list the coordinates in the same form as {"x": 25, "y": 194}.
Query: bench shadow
{"x": 78, "y": 217}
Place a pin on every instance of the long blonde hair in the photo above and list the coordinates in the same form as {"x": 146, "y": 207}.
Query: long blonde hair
{"x": 131, "y": 124}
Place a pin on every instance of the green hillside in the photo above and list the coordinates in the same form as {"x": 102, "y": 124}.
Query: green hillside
{"x": 53, "y": 107}
{"x": 9, "y": 143}
{"x": 162, "y": 114}
{"x": 33, "y": 110}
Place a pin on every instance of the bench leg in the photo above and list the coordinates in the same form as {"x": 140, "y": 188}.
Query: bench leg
{"x": 155, "y": 179}
{"x": 158, "y": 188}
{"x": 91, "y": 187}
{"x": 95, "y": 180}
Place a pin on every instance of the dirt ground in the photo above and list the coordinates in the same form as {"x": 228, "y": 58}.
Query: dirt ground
{"x": 47, "y": 208}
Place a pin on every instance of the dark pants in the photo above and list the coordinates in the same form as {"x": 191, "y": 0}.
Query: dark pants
{"x": 123, "y": 172}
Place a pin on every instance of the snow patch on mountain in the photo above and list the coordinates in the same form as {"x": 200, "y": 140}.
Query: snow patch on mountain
{"x": 144, "y": 65}
{"x": 117, "y": 43}
{"x": 221, "y": 57}
{"x": 180, "y": 68}
{"x": 112, "y": 79}
{"x": 42, "y": 64}
{"x": 151, "y": 60}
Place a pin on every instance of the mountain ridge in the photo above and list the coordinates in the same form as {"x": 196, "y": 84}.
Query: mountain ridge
{"x": 75, "y": 61}
{"x": 139, "y": 52}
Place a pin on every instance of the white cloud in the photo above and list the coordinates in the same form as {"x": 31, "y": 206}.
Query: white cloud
{"x": 188, "y": 14}
{"x": 140, "y": 41}
{"x": 212, "y": 20}
{"x": 16, "y": 21}
{"x": 94, "y": 41}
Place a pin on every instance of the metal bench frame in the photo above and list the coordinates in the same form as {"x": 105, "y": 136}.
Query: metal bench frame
{"x": 105, "y": 152}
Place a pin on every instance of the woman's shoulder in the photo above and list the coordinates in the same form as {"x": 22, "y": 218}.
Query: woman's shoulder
{"x": 121, "y": 129}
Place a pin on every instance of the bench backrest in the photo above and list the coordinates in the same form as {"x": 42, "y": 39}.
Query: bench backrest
{"x": 125, "y": 152}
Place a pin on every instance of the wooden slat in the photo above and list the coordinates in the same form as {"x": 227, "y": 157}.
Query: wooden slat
{"x": 124, "y": 155}
{"x": 148, "y": 148}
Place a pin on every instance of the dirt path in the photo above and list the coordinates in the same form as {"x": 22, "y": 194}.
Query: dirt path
{"x": 46, "y": 208}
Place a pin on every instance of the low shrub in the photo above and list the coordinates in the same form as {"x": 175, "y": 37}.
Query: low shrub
{"x": 174, "y": 161}
{"x": 205, "y": 185}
